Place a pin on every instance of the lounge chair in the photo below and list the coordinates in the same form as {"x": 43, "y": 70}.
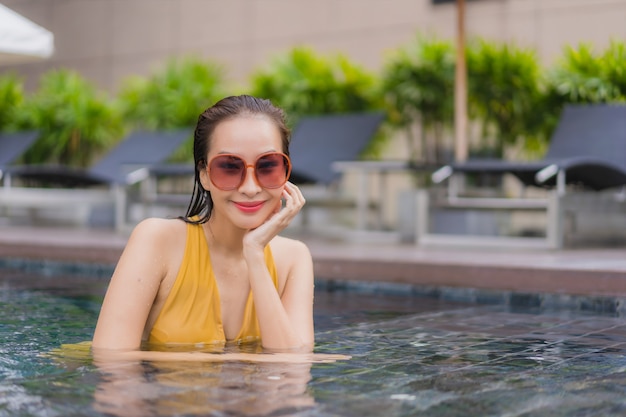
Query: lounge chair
{"x": 12, "y": 146}
{"x": 319, "y": 141}
{"x": 322, "y": 147}
{"x": 105, "y": 182}
{"x": 587, "y": 154}
{"x": 587, "y": 149}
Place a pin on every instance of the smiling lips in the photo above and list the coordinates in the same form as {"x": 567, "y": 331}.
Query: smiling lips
{"x": 249, "y": 207}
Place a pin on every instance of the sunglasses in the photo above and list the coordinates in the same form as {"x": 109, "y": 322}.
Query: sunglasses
{"x": 271, "y": 170}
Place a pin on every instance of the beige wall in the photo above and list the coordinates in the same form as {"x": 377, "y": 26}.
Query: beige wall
{"x": 107, "y": 40}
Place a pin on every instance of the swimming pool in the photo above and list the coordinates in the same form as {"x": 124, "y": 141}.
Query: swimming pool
{"x": 411, "y": 355}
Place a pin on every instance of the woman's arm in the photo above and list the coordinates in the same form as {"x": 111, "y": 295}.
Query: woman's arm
{"x": 298, "y": 292}
{"x": 286, "y": 319}
{"x": 112, "y": 357}
{"x": 133, "y": 287}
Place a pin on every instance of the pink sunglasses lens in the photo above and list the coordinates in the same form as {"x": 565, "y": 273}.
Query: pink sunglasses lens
{"x": 227, "y": 171}
{"x": 272, "y": 170}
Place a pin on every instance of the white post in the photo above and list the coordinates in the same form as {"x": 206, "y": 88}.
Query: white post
{"x": 119, "y": 193}
{"x": 361, "y": 200}
{"x": 422, "y": 209}
{"x": 554, "y": 228}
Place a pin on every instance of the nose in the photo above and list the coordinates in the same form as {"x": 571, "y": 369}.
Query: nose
{"x": 249, "y": 186}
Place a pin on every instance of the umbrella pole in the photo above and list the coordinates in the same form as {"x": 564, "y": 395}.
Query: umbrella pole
{"x": 460, "y": 88}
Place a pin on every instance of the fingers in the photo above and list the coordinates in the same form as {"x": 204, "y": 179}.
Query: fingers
{"x": 293, "y": 195}
{"x": 280, "y": 218}
{"x": 294, "y": 201}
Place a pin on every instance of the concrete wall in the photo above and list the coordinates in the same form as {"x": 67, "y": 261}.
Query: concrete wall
{"x": 108, "y": 40}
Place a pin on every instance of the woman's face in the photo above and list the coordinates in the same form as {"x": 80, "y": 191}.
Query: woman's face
{"x": 249, "y": 136}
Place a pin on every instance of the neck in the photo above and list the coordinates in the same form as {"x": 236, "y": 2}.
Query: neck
{"x": 223, "y": 236}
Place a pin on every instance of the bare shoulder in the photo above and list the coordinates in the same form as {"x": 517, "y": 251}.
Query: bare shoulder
{"x": 160, "y": 234}
{"x": 292, "y": 258}
{"x": 283, "y": 247}
{"x": 158, "y": 228}
{"x": 155, "y": 248}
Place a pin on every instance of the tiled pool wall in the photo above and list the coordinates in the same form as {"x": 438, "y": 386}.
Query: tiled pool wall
{"x": 541, "y": 301}
{"x": 56, "y": 268}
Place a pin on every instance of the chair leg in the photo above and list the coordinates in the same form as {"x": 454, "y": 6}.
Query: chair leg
{"x": 120, "y": 207}
{"x": 554, "y": 228}
{"x": 422, "y": 214}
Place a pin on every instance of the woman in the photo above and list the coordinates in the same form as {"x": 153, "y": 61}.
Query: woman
{"x": 222, "y": 273}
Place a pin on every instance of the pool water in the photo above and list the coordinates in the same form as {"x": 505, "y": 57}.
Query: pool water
{"x": 411, "y": 356}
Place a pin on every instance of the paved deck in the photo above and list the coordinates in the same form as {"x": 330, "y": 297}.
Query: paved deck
{"x": 588, "y": 272}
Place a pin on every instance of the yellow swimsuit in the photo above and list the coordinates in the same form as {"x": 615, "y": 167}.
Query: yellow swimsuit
{"x": 192, "y": 313}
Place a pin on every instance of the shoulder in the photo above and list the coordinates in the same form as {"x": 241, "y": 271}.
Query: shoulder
{"x": 156, "y": 243}
{"x": 283, "y": 247}
{"x": 293, "y": 262}
{"x": 155, "y": 228}
{"x": 291, "y": 257}
{"x": 160, "y": 234}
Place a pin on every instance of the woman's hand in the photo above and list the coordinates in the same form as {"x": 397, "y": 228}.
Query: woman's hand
{"x": 279, "y": 220}
{"x": 284, "y": 312}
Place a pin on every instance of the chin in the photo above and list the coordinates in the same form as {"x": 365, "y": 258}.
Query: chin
{"x": 251, "y": 222}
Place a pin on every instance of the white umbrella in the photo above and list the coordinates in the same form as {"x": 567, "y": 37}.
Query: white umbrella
{"x": 22, "y": 40}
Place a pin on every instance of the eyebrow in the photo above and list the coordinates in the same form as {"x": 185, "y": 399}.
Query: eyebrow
{"x": 235, "y": 153}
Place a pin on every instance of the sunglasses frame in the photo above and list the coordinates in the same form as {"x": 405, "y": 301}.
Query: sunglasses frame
{"x": 245, "y": 169}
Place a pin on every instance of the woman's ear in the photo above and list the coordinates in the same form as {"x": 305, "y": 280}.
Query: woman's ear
{"x": 204, "y": 176}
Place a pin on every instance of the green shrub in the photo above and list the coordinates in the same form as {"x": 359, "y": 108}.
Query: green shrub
{"x": 305, "y": 83}
{"x": 418, "y": 86}
{"x": 75, "y": 121}
{"x": 173, "y": 96}
{"x": 11, "y": 100}
{"x": 582, "y": 76}
{"x": 503, "y": 94}
{"x": 613, "y": 67}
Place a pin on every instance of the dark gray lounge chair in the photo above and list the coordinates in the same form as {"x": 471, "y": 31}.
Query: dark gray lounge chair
{"x": 12, "y": 146}
{"x": 126, "y": 163}
{"x": 319, "y": 141}
{"x": 318, "y": 144}
{"x": 584, "y": 167}
{"x": 105, "y": 182}
{"x": 587, "y": 149}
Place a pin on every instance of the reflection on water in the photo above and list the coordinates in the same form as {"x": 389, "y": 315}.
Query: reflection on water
{"x": 411, "y": 356}
{"x": 231, "y": 388}
{"x": 163, "y": 388}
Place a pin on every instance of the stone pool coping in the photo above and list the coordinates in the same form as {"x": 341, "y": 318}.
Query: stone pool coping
{"x": 594, "y": 272}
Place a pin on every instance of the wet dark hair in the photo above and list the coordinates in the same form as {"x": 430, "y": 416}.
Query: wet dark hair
{"x": 201, "y": 204}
